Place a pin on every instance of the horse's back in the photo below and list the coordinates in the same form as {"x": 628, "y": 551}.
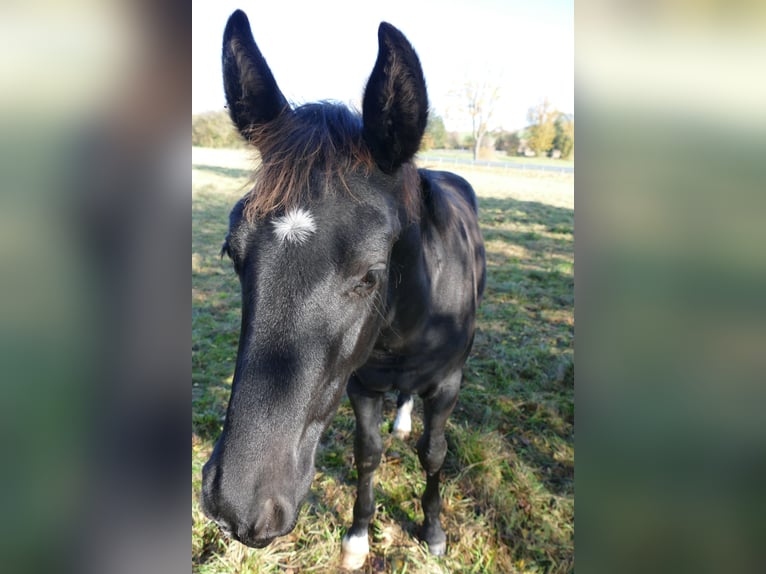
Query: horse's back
{"x": 451, "y": 204}
{"x": 446, "y": 182}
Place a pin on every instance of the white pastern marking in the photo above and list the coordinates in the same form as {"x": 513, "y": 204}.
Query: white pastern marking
{"x": 403, "y": 420}
{"x": 295, "y": 226}
{"x": 354, "y": 550}
{"x": 356, "y": 545}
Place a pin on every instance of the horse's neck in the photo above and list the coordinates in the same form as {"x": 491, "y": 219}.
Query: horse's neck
{"x": 408, "y": 304}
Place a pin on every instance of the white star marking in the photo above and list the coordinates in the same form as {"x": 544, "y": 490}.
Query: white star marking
{"x": 295, "y": 226}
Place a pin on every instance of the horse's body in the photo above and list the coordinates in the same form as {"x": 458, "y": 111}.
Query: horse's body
{"x": 358, "y": 272}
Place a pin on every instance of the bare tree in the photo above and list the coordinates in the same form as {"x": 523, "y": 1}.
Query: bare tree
{"x": 481, "y": 98}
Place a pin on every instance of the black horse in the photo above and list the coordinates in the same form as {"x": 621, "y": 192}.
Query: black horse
{"x": 358, "y": 272}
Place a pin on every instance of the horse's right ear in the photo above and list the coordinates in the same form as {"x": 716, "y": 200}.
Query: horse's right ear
{"x": 252, "y": 94}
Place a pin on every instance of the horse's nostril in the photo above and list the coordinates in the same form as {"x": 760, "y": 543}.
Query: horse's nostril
{"x": 273, "y": 519}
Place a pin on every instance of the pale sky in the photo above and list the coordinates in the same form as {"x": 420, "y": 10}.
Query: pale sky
{"x": 326, "y": 49}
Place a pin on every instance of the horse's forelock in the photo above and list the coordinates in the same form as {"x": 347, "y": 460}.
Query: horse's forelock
{"x": 297, "y": 146}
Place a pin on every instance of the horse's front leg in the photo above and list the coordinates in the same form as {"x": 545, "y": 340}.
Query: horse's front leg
{"x": 368, "y": 447}
{"x": 432, "y": 449}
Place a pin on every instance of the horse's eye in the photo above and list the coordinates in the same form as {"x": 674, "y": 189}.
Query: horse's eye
{"x": 370, "y": 279}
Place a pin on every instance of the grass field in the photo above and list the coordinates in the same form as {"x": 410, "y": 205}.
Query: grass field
{"x": 508, "y": 481}
{"x": 462, "y": 154}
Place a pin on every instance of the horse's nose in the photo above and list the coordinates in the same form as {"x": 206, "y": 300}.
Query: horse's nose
{"x": 254, "y": 520}
{"x": 273, "y": 518}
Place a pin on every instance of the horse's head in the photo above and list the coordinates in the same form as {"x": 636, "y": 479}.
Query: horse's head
{"x": 312, "y": 246}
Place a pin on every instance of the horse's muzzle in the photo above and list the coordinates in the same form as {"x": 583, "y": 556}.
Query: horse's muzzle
{"x": 274, "y": 518}
{"x": 255, "y": 522}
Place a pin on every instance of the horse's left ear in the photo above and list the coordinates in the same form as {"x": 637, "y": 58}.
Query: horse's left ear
{"x": 395, "y": 106}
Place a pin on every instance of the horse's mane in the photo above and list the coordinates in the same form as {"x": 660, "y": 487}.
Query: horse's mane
{"x": 310, "y": 151}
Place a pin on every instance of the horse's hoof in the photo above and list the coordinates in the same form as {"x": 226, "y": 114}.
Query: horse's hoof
{"x": 354, "y": 552}
{"x": 438, "y": 549}
{"x": 352, "y": 561}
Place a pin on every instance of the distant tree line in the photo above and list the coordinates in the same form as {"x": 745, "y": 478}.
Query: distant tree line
{"x": 549, "y": 133}
{"x": 215, "y": 129}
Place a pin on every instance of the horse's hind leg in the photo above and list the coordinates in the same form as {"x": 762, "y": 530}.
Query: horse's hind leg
{"x": 368, "y": 447}
{"x": 403, "y": 420}
{"x": 432, "y": 449}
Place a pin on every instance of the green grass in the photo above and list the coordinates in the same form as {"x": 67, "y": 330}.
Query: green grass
{"x": 508, "y": 481}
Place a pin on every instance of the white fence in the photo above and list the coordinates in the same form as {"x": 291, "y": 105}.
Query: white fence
{"x": 446, "y": 161}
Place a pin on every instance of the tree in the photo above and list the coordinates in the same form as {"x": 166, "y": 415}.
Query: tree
{"x": 508, "y": 142}
{"x": 480, "y": 98}
{"x": 436, "y": 133}
{"x": 564, "y": 140}
{"x": 453, "y": 140}
{"x": 542, "y": 130}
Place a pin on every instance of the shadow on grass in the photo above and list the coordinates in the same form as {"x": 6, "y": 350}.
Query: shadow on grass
{"x": 494, "y": 210}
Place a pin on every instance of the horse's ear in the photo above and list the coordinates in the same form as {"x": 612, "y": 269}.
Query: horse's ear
{"x": 395, "y": 106}
{"x": 252, "y": 94}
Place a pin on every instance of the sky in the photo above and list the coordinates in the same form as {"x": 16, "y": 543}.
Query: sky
{"x": 326, "y": 50}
